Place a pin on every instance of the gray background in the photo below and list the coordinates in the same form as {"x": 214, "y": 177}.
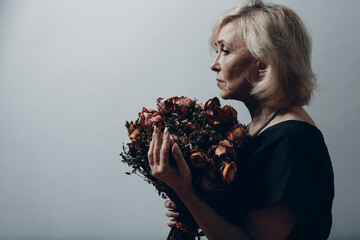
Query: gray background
{"x": 72, "y": 72}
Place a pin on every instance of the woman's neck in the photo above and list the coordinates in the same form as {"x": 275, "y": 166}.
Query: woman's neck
{"x": 259, "y": 115}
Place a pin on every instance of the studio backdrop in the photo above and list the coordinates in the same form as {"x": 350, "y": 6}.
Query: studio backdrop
{"x": 73, "y": 71}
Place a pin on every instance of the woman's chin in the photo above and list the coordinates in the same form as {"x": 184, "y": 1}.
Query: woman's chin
{"x": 225, "y": 95}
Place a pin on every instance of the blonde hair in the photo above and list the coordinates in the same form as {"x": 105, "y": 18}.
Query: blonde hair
{"x": 276, "y": 36}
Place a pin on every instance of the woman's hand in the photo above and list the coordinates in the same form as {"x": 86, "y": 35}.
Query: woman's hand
{"x": 179, "y": 177}
{"x": 170, "y": 205}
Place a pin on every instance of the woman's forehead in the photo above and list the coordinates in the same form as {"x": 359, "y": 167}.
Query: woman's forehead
{"x": 229, "y": 34}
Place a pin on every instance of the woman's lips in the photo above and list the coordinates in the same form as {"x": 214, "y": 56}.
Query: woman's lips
{"x": 219, "y": 82}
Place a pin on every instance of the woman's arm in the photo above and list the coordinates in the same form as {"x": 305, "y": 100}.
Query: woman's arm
{"x": 212, "y": 224}
{"x": 274, "y": 222}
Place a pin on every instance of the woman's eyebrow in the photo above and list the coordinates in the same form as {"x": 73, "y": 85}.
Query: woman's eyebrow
{"x": 222, "y": 42}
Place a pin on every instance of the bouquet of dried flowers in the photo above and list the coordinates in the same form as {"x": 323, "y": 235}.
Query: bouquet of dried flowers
{"x": 210, "y": 138}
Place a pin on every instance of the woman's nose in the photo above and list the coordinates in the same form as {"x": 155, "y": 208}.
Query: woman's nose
{"x": 215, "y": 65}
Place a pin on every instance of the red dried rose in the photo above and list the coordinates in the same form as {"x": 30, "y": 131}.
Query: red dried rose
{"x": 150, "y": 117}
{"x": 183, "y": 104}
{"x": 230, "y": 112}
{"x": 165, "y": 105}
{"x": 218, "y": 115}
{"x": 210, "y": 104}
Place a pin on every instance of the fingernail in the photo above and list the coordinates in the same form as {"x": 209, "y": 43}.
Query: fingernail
{"x": 171, "y": 139}
{"x": 166, "y": 131}
{"x": 176, "y": 146}
{"x": 173, "y": 205}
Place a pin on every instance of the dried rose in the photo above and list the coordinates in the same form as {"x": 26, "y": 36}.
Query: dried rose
{"x": 198, "y": 159}
{"x": 228, "y": 172}
{"x": 224, "y": 115}
{"x": 135, "y": 137}
{"x": 165, "y": 105}
{"x": 236, "y": 132}
{"x": 230, "y": 136}
{"x": 130, "y": 127}
{"x": 151, "y": 117}
{"x": 220, "y": 151}
{"x": 183, "y": 104}
{"x": 225, "y": 148}
{"x": 226, "y": 143}
{"x": 230, "y": 112}
{"x": 210, "y": 104}
{"x": 218, "y": 115}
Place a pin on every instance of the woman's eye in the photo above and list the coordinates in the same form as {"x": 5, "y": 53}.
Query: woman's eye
{"x": 226, "y": 52}
{"x": 223, "y": 50}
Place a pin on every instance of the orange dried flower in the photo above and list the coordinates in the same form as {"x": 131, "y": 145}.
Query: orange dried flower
{"x": 230, "y": 136}
{"x": 237, "y": 132}
{"x": 228, "y": 172}
{"x": 130, "y": 127}
{"x": 135, "y": 137}
{"x": 225, "y": 147}
{"x": 220, "y": 151}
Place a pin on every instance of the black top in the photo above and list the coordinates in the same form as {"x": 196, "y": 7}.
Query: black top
{"x": 289, "y": 161}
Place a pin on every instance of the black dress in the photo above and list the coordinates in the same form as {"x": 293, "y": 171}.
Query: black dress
{"x": 290, "y": 162}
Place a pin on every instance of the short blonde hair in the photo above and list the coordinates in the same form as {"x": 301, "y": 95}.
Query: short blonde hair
{"x": 276, "y": 36}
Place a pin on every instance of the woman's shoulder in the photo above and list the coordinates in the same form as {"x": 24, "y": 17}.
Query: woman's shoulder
{"x": 294, "y": 122}
{"x": 290, "y": 138}
{"x": 291, "y": 130}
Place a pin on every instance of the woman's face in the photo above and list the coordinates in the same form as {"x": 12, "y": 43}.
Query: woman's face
{"x": 235, "y": 66}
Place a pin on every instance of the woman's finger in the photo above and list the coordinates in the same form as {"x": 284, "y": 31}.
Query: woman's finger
{"x": 157, "y": 145}
{"x": 169, "y": 204}
{"x": 171, "y": 140}
{"x": 179, "y": 158}
{"x": 164, "y": 151}
{"x": 172, "y": 214}
{"x": 151, "y": 149}
{"x": 171, "y": 223}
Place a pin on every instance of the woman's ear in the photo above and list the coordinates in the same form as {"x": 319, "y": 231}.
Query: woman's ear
{"x": 262, "y": 68}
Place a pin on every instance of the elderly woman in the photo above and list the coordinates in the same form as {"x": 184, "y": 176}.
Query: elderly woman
{"x": 263, "y": 59}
